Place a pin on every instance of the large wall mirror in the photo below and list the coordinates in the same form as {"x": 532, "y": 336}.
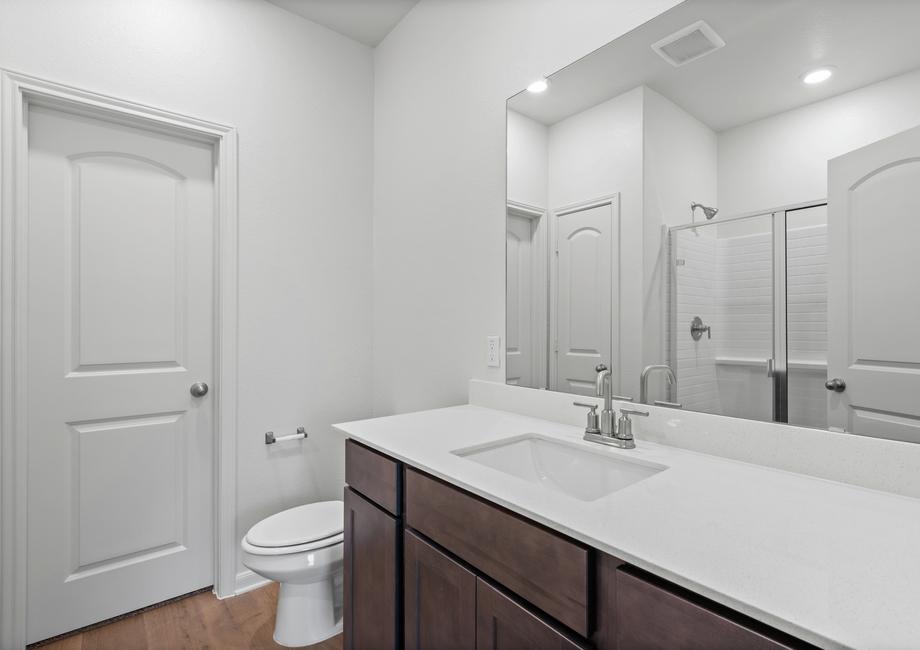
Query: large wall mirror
{"x": 723, "y": 206}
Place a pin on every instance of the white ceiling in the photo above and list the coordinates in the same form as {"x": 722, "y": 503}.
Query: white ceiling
{"x": 366, "y": 21}
{"x": 757, "y": 74}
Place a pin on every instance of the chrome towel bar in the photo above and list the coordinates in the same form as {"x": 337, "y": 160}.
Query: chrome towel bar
{"x": 270, "y": 438}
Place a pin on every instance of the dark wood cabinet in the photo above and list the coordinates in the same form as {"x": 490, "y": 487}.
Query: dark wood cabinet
{"x": 503, "y": 624}
{"x": 440, "y": 599}
{"x": 651, "y": 615}
{"x": 373, "y": 475}
{"x": 537, "y": 564}
{"x": 371, "y": 589}
{"x": 429, "y": 566}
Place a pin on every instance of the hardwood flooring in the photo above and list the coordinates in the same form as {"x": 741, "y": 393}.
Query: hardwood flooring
{"x": 198, "y": 622}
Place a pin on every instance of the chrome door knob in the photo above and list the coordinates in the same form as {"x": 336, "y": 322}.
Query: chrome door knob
{"x": 837, "y": 385}
{"x": 199, "y": 389}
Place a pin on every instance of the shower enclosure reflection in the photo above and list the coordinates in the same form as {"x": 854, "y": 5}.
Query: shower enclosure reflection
{"x": 719, "y": 217}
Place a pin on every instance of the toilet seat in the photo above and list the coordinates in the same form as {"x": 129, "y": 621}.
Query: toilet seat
{"x": 296, "y": 548}
{"x": 303, "y": 528}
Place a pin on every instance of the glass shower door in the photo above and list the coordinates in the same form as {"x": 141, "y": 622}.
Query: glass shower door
{"x": 722, "y": 314}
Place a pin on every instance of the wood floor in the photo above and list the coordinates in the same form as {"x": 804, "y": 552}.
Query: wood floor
{"x": 199, "y": 621}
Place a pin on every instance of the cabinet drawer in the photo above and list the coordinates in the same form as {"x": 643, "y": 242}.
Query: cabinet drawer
{"x": 372, "y": 474}
{"x": 540, "y": 566}
{"x": 651, "y": 614}
{"x": 502, "y": 624}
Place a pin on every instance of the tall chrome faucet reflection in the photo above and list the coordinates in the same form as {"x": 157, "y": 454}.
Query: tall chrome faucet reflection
{"x": 643, "y": 382}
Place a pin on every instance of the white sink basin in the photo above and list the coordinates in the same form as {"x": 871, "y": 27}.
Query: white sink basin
{"x": 560, "y": 466}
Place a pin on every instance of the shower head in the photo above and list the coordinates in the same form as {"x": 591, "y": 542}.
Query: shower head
{"x": 709, "y": 212}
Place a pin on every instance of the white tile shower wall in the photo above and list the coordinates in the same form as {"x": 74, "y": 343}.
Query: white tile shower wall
{"x": 743, "y": 323}
{"x": 695, "y": 277}
{"x": 729, "y": 283}
{"x": 806, "y": 282}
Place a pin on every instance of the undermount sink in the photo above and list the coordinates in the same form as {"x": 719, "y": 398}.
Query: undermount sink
{"x": 559, "y": 466}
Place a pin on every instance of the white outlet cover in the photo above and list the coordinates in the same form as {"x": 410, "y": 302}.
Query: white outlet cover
{"x": 493, "y": 352}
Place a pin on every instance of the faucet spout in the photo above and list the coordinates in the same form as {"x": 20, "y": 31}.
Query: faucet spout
{"x": 604, "y": 388}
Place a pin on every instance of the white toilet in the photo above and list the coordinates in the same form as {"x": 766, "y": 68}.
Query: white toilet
{"x": 302, "y": 549}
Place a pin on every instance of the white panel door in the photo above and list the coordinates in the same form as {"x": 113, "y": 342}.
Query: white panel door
{"x": 873, "y": 288}
{"x": 583, "y": 296}
{"x": 120, "y": 309}
{"x": 519, "y": 288}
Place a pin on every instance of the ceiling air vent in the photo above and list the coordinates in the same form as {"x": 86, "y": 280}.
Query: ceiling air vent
{"x": 688, "y": 44}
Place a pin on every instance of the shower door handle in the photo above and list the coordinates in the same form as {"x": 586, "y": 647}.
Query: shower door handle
{"x": 770, "y": 368}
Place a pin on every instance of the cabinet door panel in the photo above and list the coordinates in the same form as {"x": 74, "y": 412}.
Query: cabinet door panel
{"x": 502, "y": 624}
{"x": 371, "y": 564}
{"x": 440, "y": 602}
{"x": 652, "y": 617}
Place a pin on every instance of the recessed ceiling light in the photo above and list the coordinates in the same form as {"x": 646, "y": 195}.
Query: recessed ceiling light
{"x": 538, "y": 86}
{"x": 818, "y": 75}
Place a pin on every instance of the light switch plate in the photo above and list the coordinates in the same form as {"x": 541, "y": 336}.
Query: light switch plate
{"x": 493, "y": 354}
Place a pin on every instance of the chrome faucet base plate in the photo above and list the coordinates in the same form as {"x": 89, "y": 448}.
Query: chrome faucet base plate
{"x": 612, "y": 441}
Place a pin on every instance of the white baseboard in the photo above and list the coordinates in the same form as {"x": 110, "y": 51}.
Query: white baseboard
{"x": 247, "y": 581}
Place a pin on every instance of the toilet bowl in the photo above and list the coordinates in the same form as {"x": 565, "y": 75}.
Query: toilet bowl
{"x": 301, "y": 549}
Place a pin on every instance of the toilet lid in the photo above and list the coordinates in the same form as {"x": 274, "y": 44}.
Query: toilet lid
{"x": 300, "y": 525}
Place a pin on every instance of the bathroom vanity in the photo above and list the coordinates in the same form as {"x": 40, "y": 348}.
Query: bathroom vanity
{"x": 471, "y": 527}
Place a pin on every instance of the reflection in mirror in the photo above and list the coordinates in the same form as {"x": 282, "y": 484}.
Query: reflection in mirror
{"x": 727, "y": 192}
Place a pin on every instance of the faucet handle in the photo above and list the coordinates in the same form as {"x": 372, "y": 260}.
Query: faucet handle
{"x": 600, "y": 368}
{"x": 593, "y": 425}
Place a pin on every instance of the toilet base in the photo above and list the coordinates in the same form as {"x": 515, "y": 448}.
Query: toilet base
{"x": 308, "y": 613}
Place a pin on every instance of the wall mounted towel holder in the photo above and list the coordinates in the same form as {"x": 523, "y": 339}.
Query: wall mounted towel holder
{"x": 270, "y": 438}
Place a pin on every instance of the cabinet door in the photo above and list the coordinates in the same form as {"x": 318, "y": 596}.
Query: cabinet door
{"x": 652, "y": 617}
{"x": 440, "y": 600}
{"x": 371, "y": 564}
{"x": 502, "y": 624}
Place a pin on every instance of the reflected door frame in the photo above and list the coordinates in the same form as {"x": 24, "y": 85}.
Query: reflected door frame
{"x": 539, "y": 290}
{"x": 19, "y": 92}
{"x": 613, "y": 200}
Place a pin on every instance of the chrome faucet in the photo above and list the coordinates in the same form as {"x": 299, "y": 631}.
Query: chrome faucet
{"x": 604, "y": 429}
{"x": 604, "y": 388}
{"x": 643, "y": 382}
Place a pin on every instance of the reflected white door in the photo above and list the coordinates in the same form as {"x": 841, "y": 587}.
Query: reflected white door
{"x": 120, "y": 309}
{"x": 519, "y": 288}
{"x": 873, "y": 293}
{"x": 582, "y": 311}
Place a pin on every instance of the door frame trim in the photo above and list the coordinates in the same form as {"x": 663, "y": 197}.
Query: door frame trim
{"x": 18, "y": 91}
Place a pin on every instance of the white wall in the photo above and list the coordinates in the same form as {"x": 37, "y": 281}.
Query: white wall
{"x": 301, "y": 97}
{"x": 527, "y": 160}
{"x": 679, "y": 167}
{"x": 596, "y": 153}
{"x": 441, "y": 81}
{"x": 782, "y": 159}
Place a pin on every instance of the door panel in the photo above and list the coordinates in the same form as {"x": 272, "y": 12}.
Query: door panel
{"x": 371, "y": 567}
{"x": 519, "y": 288}
{"x": 583, "y": 315}
{"x": 502, "y": 624}
{"x": 120, "y": 313}
{"x": 440, "y": 599}
{"x": 128, "y": 299}
{"x": 873, "y": 302}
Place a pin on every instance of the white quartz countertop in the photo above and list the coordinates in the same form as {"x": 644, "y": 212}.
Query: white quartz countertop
{"x": 830, "y": 563}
